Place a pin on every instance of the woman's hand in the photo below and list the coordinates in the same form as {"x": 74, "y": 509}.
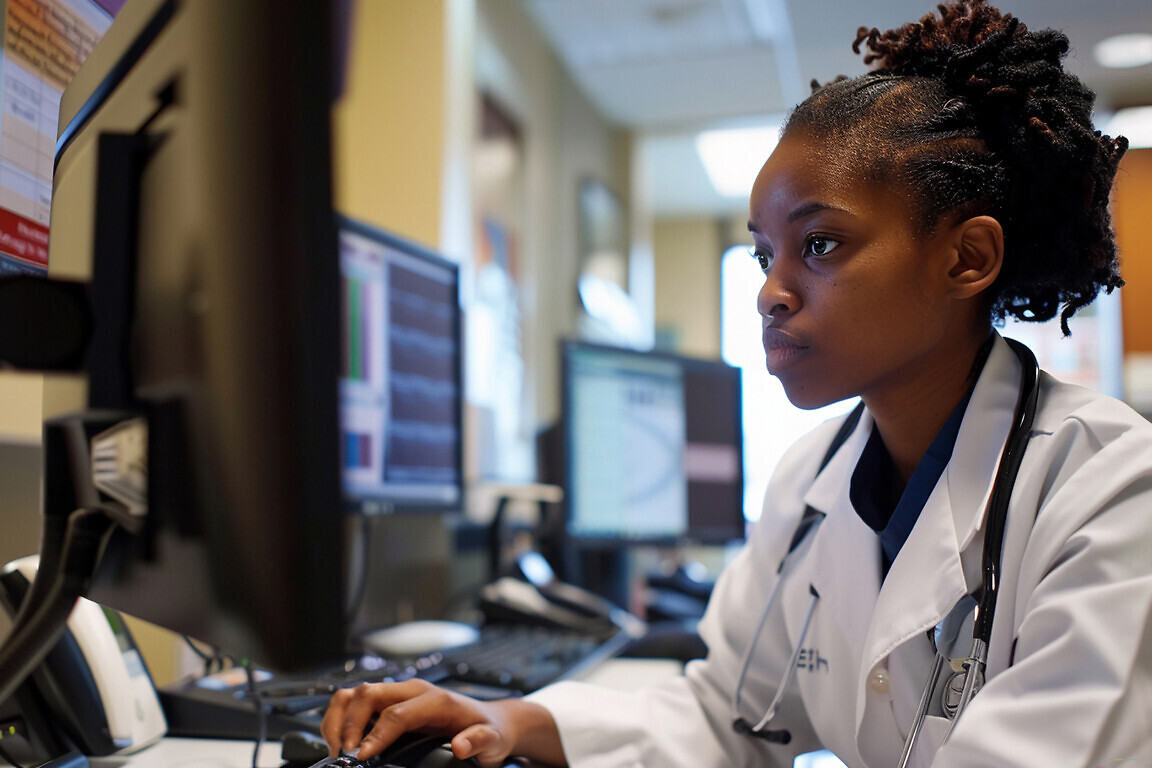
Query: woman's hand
{"x": 489, "y": 731}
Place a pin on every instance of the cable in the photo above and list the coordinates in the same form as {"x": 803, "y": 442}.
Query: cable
{"x": 213, "y": 662}
{"x": 261, "y": 712}
{"x": 358, "y": 572}
{"x": 88, "y": 533}
{"x": 65, "y": 443}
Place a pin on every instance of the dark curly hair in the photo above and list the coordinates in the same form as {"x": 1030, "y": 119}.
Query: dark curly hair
{"x": 974, "y": 114}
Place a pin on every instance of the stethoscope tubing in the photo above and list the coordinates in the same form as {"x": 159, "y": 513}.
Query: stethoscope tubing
{"x": 1004, "y": 484}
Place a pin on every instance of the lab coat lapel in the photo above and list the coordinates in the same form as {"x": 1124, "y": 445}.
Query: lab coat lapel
{"x": 835, "y": 558}
{"x": 971, "y": 472}
{"x": 927, "y": 578}
{"x": 923, "y": 584}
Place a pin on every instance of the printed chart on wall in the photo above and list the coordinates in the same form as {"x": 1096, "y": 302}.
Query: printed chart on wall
{"x": 45, "y": 41}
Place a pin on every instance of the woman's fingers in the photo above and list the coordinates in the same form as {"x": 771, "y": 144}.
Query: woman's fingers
{"x": 333, "y": 721}
{"x": 414, "y": 705}
{"x": 423, "y": 712}
{"x": 483, "y": 742}
{"x": 350, "y": 710}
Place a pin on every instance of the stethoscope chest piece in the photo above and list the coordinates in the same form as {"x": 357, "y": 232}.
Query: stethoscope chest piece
{"x": 953, "y": 692}
{"x": 949, "y": 639}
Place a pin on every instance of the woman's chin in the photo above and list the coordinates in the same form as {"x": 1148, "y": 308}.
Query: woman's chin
{"x": 809, "y": 398}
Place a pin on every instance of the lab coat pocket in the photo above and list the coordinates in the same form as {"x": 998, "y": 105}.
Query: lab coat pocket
{"x": 930, "y": 739}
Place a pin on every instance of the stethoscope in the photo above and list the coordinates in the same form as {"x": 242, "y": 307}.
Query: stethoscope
{"x": 965, "y": 674}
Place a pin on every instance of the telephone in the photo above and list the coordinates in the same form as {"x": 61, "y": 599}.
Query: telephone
{"x": 94, "y": 684}
{"x": 537, "y": 597}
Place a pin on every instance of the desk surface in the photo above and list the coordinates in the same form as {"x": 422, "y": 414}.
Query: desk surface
{"x": 195, "y": 753}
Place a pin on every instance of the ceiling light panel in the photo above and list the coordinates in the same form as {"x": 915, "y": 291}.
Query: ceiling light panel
{"x": 1124, "y": 51}
{"x": 601, "y": 33}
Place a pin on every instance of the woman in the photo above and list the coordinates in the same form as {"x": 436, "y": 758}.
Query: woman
{"x": 900, "y": 215}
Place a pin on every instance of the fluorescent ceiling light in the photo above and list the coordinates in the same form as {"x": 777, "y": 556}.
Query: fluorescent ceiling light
{"x": 1134, "y": 124}
{"x": 732, "y": 157}
{"x": 1122, "y": 51}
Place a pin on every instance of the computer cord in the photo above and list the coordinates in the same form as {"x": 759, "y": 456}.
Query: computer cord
{"x": 261, "y": 711}
{"x": 213, "y": 662}
{"x": 358, "y": 571}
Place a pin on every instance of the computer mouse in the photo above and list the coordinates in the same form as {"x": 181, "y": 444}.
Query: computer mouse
{"x": 302, "y": 748}
{"x": 415, "y": 638}
{"x": 442, "y": 757}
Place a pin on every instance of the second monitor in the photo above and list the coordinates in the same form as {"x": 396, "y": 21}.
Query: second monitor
{"x": 400, "y": 386}
{"x": 653, "y": 447}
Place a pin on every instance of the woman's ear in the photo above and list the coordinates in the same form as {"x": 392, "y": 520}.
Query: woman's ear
{"x": 977, "y": 256}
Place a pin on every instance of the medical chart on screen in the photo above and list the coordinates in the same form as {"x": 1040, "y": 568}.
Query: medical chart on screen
{"x": 45, "y": 42}
{"x": 631, "y": 455}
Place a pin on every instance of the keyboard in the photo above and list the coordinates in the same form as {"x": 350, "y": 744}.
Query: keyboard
{"x": 508, "y": 660}
{"x": 521, "y": 659}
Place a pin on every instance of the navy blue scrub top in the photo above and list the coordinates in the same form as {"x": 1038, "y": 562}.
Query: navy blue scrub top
{"x": 875, "y": 490}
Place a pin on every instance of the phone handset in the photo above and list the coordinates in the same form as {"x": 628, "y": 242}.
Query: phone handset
{"x": 554, "y": 604}
{"x": 127, "y": 713}
{"x": 513, "y": 600}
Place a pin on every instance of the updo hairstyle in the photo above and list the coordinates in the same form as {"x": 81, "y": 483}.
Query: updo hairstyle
{"x": 973, "y": 114}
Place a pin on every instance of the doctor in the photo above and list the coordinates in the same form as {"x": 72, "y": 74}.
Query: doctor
{"x": 903, "y": 212}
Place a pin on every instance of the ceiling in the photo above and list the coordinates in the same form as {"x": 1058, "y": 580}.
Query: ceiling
{"x": 668, "y": 68}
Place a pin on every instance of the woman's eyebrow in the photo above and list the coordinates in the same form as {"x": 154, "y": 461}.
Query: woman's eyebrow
{"x": 807, "y": 209}
{"x": 800, "y": 212}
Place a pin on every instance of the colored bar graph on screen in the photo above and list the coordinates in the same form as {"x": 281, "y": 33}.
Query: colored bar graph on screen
{"x": 354, "y": 323}
{"x": 360, "y": 320}
{"x": 357, "y": 450}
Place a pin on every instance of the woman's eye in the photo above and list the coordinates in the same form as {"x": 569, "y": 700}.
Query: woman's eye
{"x": 763, "y": 258}
{"x": 820, "y": 246}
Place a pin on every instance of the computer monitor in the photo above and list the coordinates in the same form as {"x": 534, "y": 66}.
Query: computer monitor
{"x": 192, "y": 194}
{"x": 400, "y": 384}
{"x": 714, "y": 451}
{"x": 652, "y": 447}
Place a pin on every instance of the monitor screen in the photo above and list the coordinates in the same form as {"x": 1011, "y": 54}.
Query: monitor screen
{"x": 652, "y": 447}
{"x": 400, "y": 389}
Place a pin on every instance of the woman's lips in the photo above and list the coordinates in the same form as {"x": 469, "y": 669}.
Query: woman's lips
{"x": 781, "y": 349}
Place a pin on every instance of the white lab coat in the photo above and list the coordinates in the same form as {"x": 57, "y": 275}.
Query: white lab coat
{"x": 1070, "y": 661}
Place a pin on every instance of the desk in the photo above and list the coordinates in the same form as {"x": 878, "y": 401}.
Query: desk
{"x": 195, "y": 753}
{"x": 625, "y": 674}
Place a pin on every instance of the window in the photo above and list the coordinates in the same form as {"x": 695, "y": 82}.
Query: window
{"x": 771, "y": 423}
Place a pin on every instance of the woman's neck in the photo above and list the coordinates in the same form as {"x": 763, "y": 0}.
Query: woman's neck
{"x": 909, "y": 417}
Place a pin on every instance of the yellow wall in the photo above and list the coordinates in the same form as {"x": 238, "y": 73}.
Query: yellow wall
{"x": 20, "y": 417}
{"x": 388, "y": 128}
{"x": 687, "y": 254}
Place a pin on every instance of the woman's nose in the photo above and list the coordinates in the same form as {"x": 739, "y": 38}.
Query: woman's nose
{"x": 775, "y": 298}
